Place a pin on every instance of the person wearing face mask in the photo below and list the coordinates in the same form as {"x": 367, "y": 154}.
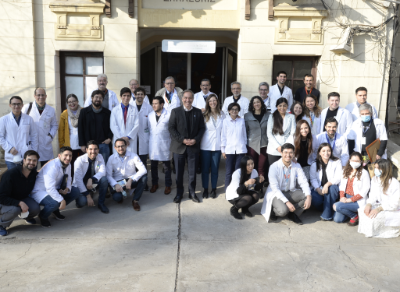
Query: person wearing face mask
{"x": 353, "y": 190}
{"x": 343, "y": 116}
{"x": 325, "y": 174}
{"x": 381, "y": 215}
{"x": 297, "y": 110}
{"x": 110, "y": 99}
{"x": 312, "y": 113}
{"x": 366, "y": 130}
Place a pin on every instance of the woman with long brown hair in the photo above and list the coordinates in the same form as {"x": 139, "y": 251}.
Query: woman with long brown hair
{"x": 353, "y": 190}
{"x": 381, "y": 216}
{"x": 312, "y": 113}
{"x": 297, "y": 110}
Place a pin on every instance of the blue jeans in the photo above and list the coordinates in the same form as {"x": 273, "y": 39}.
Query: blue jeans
{"x": 11, "y": 165}
{"x": 325, "y": 203}
{"x": 104, "y": 150}
{"x": 139, "y": 188}
{"x": 210, "y": 159}
{"x": 50, "y": 205}
{"x": 232, "y": 163}
{"x": 345, "y": 211}
{"x": 102, "y": 187}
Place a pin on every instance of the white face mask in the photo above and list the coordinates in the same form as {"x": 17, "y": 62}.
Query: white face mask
{"x": 355, "y": 165}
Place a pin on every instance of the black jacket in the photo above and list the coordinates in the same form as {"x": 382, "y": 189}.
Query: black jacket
{"x": 178, "y": 129}
{"x": 89, "y": 129}
{"x": 14, "y": 186}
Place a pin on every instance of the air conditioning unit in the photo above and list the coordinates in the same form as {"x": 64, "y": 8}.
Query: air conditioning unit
{"x": 344, "y": 45}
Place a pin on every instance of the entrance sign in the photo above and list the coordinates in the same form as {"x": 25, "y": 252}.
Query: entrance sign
{"x": 188, "y": 46}
{"x": 191, "y": 4}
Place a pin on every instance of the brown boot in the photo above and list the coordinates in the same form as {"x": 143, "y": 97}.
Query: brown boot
{"x": 153, "y": 188}
{"x": 167, "y": 190}
{"x": 136, "y": 205}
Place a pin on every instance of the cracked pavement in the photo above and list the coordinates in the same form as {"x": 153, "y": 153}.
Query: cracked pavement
{"x": 197, "y": 247}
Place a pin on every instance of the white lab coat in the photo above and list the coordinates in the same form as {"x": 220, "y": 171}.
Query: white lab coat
{"x": 274, "y": 94}
{"x": 316, "y": 127}
{"x": 46, "y": 123}
{"x": 81, "y": 167}
{"x": 120, "y": 130}
{"x": 23, "y": 137}
{"x": 341, "y": 149}
{"x": 233, "y": 136}
{"x": 231, "y": 189}
{"x": 211, "y": 140}
{"x": 118, "y": 170}
{"x": 360, "y": 186}
{"x": 175, "y": 101}
{"x": 49, "y": 181}
{"x": 333, "y": 172}
{"x": 145, "y": 100}
{"x": 276, "y": 140}
{"x": 344, "y": 118}
{"x": 356, "y": 131}
{"x": 277, "y": 184}
{"x": 199, "y": 101}
{"x": 355, "y": 111}
{"x": 243, "y": 102}
{"x": 112, "y": 100}
{"x": 143, "y": 132}
{"x": 160, "y": 139}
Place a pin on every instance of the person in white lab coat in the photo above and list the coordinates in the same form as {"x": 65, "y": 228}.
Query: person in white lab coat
{"x": 159, "y": 144}
{"x": 91, "y": 175}
{"x": 210, "y": 146}
{"x": 110, "y": 99}
{"x": 343, "y": 116}
{"x": 353, "y": 189}
{"x": 282, "y": 198}
{"x": 361, "y": 98}
{"x": 279, "y": 90}
{"x": 122, "y": 175}
{"x": 200, "y": 97}
{"x": 326, "y": 174}
{"x": 45, "y": 120}
{"x": 236, "y": 97}
{"x": 172, "y": 95}
{"x": 381, "y": 216}
{"x": 124, "y": 122}
{"x": 133, "y": 85}
{"x": 312, "y": 113}
{"x": 263, "y": 90}
{"x": 53, "y": 188}
{"x": 142, "y": 138}
{"x": 18, "y": 133}
{"x": 338, "y": 142}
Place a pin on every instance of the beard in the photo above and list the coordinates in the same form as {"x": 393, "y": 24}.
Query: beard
{"x": 63, "y": 164}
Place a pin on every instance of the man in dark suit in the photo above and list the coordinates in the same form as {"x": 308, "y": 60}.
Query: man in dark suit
{"x": 186, "y": 126}
{"x": 94, "y": 124}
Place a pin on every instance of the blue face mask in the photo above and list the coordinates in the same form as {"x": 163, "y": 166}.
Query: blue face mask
{"x": 377, "y": 172}
{"x": 365, "y": 119}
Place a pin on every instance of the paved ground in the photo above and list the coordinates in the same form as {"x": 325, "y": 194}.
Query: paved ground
{"x": 193, "y": 247}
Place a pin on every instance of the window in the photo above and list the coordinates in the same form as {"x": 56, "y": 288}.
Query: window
{"x": 296, "y": 68}
{"x": 79, "y": 74}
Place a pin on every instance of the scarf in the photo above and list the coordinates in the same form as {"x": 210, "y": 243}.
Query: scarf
{"x": 74, "y": 117}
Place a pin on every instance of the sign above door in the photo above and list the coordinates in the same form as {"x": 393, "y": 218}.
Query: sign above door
{"x": 188, "y": 46}
{"x": 190, "y": 4}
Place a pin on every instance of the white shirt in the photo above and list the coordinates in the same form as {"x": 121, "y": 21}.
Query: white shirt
{"x": 49, "y": 181}
{"x": 123, "y": 168}
{"x": 339, "y": 146}
{"x": 274, "y": 94}
{"x": 344, "y": 118}
{"x": 360, "y": 186}
{"x": 112, "y": 100}
{"x": 333, "y": 172}
{"x": 199, "y": 100}
{"x": 160, "y": 138}
{"x": 233, "y": 137}
{"x": 354, "y": 109}
{"x": 81, "y": 167}
{"x": 211, "y": 140}
{"x": 243, "y": 103}
{"x": 73, "y": 136}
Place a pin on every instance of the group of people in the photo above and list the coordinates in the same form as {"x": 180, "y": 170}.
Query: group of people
{"x": 286, "y": 144}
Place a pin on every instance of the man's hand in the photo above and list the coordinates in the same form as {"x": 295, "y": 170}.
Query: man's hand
{"x": 24, "y": 207}
{"x": 90, "y": 201}
{"x": 83, "y": 149}
{"x": 118, "y": 188}
{"x": 377, "y": 157}
{"x": 89, "y": 184}
{"x": 290, "y": 206}
{"x": 63, "y": 204}
{"x": 367, "y": 209}
{"x": 13, "y": 151}
{"x": 319, "y": 191}
{"x": 223, "y": 155}
{"x": 307, "y": 203}
{"x": 106, "y": 141}
{"x": 63, "y": 192}
{"x": 126, "y": 140}
{"x": 325, "y": 189}
{"x": 203, "y": 110}
{"x": 279, "y": 149}
{"x": 129, "y": 184}
{"x": 186, "y": 142}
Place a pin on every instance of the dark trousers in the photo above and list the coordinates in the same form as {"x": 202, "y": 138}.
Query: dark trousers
{"x": 273, "y": 158}
{"x": 143, "y": 158}
{"x": 180, "y": 159}
{"x": 9, "y": 213}
{"x": 167, "y": 171}
{"x": 232, "y": 163}
{"x": 75, "y": 154}
{"x": 137, "y": 193}
{"x": 260, "y": 160}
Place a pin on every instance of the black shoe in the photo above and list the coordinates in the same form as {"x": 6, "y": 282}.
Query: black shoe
{"x": 213, "y": 193}
{"x": 58, "y": 215}
{"x": 272, "y": 216}
{"x": 103, "y": 208}
{"x": 178, "y": 199}
{"x": 205, "y": 194}
{"x": 322, "y": 219}
{"x": 198, "y": 171}
{"x": 292, "y": 216}
{"x": 190, "y": 196}
{"x": 195, "y": 199}
{"x": 146, "y": 188}
{"x": 247, "y": 213}
{"x": 45, "y": 222}
{"x": 235, "y": 213}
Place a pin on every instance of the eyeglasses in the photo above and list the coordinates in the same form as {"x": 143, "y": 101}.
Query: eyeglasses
{"x": 40, "y": 95}
{"x": 16, "y": 104}
{"x": 169, "y": 83}
{"x": 73, "y": 101}
{"x": 120, "y": 146}
{"x": 263, "y": 90}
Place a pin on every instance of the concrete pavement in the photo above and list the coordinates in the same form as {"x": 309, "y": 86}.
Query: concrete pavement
{"x": 192, "y": 247}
